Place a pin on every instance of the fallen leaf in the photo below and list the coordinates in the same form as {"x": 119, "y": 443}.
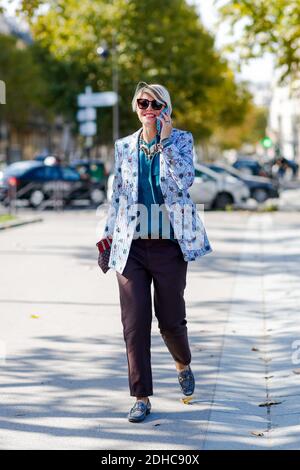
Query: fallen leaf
{"x": 186, "y": 400}
{"x": 34, "y": 316}
{"x": 254, "y": 349}
{"x": 270, "y": 403}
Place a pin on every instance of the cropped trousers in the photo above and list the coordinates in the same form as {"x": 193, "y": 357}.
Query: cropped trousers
{"x": 160, "y": 261}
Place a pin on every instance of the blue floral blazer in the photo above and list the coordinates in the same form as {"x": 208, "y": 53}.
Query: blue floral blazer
{"x": 176, "y": 176}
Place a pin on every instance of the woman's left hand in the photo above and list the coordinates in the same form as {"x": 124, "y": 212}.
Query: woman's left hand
{"x": 166, "y": 125}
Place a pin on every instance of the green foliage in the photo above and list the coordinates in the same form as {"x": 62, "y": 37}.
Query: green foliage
{"x": 26, "y": 91}
{"x": 156, "y": 41}
{"x": 250, "y": 131}
{"x": 269, "y": 26}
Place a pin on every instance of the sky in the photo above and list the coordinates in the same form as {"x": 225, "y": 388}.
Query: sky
{"x": 258, "y": 70}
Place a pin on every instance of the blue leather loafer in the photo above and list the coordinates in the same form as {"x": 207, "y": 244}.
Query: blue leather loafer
{"x": 187, "y": 381}
{"x": 139, "y": 411}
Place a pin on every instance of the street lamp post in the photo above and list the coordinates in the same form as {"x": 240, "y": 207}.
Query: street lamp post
{"x": 103, "y": 51}
{"x": 115, "y": 77}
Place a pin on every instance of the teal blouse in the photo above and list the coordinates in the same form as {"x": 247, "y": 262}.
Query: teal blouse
{"x": 149, "y": 192}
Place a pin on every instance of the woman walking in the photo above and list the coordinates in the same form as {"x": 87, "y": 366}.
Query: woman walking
{"x": 155, "y": 230}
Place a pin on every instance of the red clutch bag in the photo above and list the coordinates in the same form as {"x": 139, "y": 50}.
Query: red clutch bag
{"x": 104, "y": 247}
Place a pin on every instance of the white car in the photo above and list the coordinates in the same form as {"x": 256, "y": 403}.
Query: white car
{"x": 212, "y": 189}
{"x": 109, "y": 187}
{"x": 217, "y": 190}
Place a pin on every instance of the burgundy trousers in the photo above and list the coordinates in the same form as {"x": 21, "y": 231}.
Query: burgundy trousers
{"x": 160, "y": 260}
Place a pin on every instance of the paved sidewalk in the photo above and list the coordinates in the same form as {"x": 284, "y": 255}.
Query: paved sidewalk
{"x": 64, "y": 382}
{"x": 19, "y": 221}
{"x": 289, "y": 200}
{"x": 257, "y": 390}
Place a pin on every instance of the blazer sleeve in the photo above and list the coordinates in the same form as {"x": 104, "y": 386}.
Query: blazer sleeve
{"x": 116, "y": 190}
{"x": 179, "y": 158}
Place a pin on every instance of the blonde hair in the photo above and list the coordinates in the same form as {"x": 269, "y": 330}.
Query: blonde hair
{"x": 158, "y": 92}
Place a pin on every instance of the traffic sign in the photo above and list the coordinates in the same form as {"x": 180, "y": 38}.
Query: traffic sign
{"x": 2, "y": 92}
{"x": 88, "y": 128}
{"x": 86, "y": 114}
{"x": 103, "y": 99}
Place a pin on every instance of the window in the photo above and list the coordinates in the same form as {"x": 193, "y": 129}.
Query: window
{"x": 44, "y": 173}
{"x": 69, "y": 174}
{"x": 204, "y": 176}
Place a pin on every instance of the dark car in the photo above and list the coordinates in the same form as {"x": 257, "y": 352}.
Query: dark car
{"x": 260, "y": 188}
{"x": 93, "y": 171}
{"x": 39, "y": 183}
{"x": 94, "y": 174}
{"x": 282, "y": 164}
{"x": 250, "y": 167}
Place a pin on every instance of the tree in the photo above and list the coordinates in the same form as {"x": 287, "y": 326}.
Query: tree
{"x": 156, "y": 42}
{"x": 250, "y": 131}
{"x": 268, "y": 26}
{"x": 26, "y": 91}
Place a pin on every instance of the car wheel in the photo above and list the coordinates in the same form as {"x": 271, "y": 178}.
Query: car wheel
{"x": 222, "y": 200}
{"x": 97, "y": 196}
{"x": 36, "y": 198}
{"x": 260, "y": 195}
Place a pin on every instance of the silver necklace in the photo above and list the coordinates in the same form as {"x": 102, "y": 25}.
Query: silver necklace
{"x": 149, "y": 151}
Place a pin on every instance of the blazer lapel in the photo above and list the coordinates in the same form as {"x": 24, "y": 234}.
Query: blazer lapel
{"x": 163, "y": 169}
{"x": 133, "y": 160}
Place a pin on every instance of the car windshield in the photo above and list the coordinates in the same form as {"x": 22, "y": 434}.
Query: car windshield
{"x": 206, "y": 175}
{"x": 217, "y": 169}
{"x": 19, "y": 168}
{"x": 244, "y": 163}
{"x": 232, "y": 171}
{"x": 69, "y": 174}
{"x": 228, "y": 169}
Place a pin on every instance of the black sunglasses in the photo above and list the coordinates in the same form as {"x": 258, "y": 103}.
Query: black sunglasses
{"x": 144, "y": 103}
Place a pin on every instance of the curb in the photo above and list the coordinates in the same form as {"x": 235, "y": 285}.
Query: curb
{"x": 18, "y": 223}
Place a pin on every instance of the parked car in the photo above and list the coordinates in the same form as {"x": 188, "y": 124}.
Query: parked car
{"x": 38, "y": 183}
{"x": 250, "y": 167}
{"x": 94, "y": 172}
{"x": 260, "y": 188}
{"x": 94, "y": 169}
{"x": 109, "y": 187}
{"x": 216, "y": 191}
{"x": 209, "y": 188}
